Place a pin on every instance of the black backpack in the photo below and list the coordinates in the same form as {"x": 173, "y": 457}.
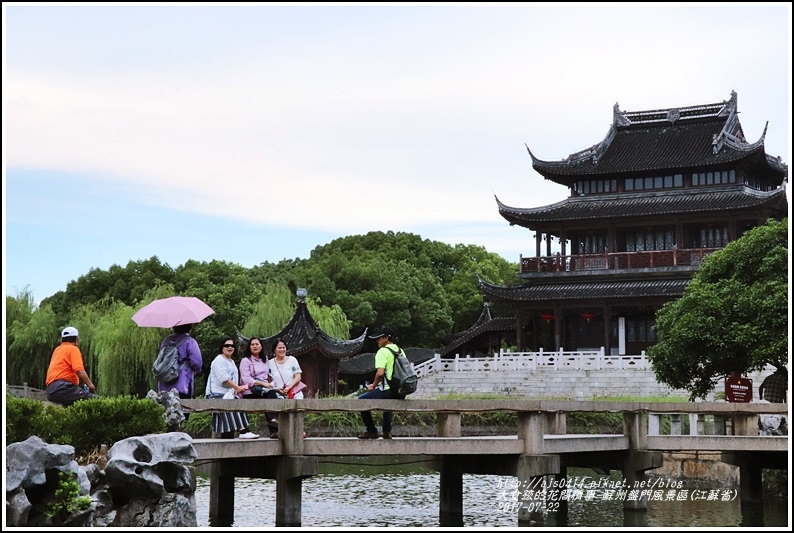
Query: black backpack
{"x": 166, "y": 367}
{"x": 403, "y": 378}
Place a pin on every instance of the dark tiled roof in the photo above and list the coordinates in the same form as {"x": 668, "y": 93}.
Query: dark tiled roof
{"x": 607, "y": 290}
{"x": 679, "y": 201}
{"x": 499, "y": 325}
{"x": 365, "y": 363}
{"x": 303, "y": 335}
{"x": 664, "y": 139}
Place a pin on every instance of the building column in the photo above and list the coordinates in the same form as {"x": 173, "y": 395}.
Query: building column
{"x": 557, "y": 327}
{"x": 520, "y": 330}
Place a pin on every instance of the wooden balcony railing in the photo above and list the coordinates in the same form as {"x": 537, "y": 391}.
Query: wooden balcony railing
{"x": 615, "y": 260}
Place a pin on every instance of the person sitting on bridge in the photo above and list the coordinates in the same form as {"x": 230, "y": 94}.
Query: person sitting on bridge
{"x": 66, "y": 371}
{"x": 379, "y": 388}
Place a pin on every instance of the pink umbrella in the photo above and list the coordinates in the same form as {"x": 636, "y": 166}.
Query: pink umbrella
{"x": 173, "y": 311}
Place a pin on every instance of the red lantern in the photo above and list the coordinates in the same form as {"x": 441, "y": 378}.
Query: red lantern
{"x": 587, "y": 316}
{"x": 548, "y": 317}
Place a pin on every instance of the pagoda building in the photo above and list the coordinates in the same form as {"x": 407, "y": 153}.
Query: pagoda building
{"x": 660, "y": 192}
{"x": 317, "y": 352}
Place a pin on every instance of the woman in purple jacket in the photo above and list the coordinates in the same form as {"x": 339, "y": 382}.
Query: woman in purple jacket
{"x": 189, "y": 353}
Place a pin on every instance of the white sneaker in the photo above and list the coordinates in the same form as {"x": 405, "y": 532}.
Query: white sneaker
{"x": 249, "y": 435}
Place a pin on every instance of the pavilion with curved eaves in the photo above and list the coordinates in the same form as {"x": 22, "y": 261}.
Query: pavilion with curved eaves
{"x": 317, "y": 352}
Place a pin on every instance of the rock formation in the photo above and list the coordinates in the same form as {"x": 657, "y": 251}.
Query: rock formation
{"x": 147, "y": 482}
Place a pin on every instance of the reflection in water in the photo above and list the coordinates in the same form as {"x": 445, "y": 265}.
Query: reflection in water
{"x": 399, "y": 498}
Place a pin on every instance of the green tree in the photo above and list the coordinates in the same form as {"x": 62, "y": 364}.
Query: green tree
{"x": 31, "y": 336}
{"x": 127, "y": 285}
{"x": 423, "y": 289}
{"x": 732, "y": 317}
{"x": 275, "y": 309}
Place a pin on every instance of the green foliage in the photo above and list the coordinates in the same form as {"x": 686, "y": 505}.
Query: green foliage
{"x": 84, "y": 425}
{"x": 404, "y": 281}
{"x": 594, "y": 423}
{"x": 21, "y": 417}
{"x": 275, "y": 309}
{"x": 67, "y": 500}
{"x": 127, "y": 285}
{"x": 198, "y": 425}
{"x": 124, "y": 353}
{"x": 422, "y": 289}
{"x": 732, "y": 317}
{"x": 31, "y": 335}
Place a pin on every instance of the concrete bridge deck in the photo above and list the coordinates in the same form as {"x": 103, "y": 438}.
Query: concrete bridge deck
{"x": 540, "y": 447}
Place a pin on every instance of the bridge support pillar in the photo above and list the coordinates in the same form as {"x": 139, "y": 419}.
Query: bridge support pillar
{"x": 290, "y": 472}
{"x": 531, "y": 472}
{"x": 221, "y": 510}
{"x": 634, "y": 466}
{"x": 450, "y": 497}
{"x": 750, "y": 478}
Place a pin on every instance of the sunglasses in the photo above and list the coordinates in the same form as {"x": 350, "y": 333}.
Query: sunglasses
{"x": 228, "y": 345}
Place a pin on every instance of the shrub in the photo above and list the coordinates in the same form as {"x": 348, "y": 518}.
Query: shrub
{"x": 21, "y": 417}
{"x": 67, "y": 500}
{"x": 86, "y": 424}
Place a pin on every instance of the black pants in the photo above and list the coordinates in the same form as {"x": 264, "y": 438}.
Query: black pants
{"x": 272, "y": 394}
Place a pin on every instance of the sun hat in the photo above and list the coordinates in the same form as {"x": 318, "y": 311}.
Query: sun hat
{"x": 69, "y": 331}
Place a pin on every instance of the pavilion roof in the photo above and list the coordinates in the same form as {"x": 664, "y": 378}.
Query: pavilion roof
{"x": 302, "y": 335}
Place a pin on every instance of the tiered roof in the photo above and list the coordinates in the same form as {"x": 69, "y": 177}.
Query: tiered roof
{"x": 664, "y": 139}
{"x": 633, "y": 204}
{"x": 584, "y": 290}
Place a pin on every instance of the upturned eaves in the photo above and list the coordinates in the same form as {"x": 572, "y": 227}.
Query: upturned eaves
{"x": 584, "y": 290}
{"x": 645, "y": 203}
{"x": 661, "y": 140}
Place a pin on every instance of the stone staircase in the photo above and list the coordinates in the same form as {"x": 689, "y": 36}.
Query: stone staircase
{"x": 549, "y": 383}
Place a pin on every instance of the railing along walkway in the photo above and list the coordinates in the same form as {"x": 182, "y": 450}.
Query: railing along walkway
{"x": 528, "y": 361}
{"x": 539, "y": 447}
{"x": 541, "y": 427}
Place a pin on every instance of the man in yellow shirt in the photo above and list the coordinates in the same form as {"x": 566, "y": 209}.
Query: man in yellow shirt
{"x": 379, "y": 388}
{"x": 66, "y": 371}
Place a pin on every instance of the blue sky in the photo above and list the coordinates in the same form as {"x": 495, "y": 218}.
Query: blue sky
{"x": 253, "y": 133}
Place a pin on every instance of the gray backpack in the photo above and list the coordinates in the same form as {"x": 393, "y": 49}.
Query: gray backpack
{"x": 403, "y": 378}
{"x": 166, "y": 367}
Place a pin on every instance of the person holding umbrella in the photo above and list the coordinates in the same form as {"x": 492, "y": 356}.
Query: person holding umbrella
{"x": 181, "y": 314}
{"x": 190, "y": 359}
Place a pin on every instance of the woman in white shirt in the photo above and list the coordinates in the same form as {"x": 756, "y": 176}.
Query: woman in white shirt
{"x": 223, "y": 381}
{"x": 284, "y": 370}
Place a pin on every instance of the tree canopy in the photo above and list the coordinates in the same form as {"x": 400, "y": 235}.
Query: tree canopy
{"x": 424, "y": 290}
{"x": 732, "y": 317}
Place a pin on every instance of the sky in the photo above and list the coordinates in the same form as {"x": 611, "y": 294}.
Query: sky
{"x": 257, "y": 132}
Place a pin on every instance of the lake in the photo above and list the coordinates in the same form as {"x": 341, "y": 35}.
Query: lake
{"x": 348, "y": 494}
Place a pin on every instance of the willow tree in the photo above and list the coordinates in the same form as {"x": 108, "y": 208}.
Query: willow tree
{"x": 275, "y": 309}
{"x": 124, "y": 352}
{"x": 31, "y": 335}
{"x": 117, "y": 351}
